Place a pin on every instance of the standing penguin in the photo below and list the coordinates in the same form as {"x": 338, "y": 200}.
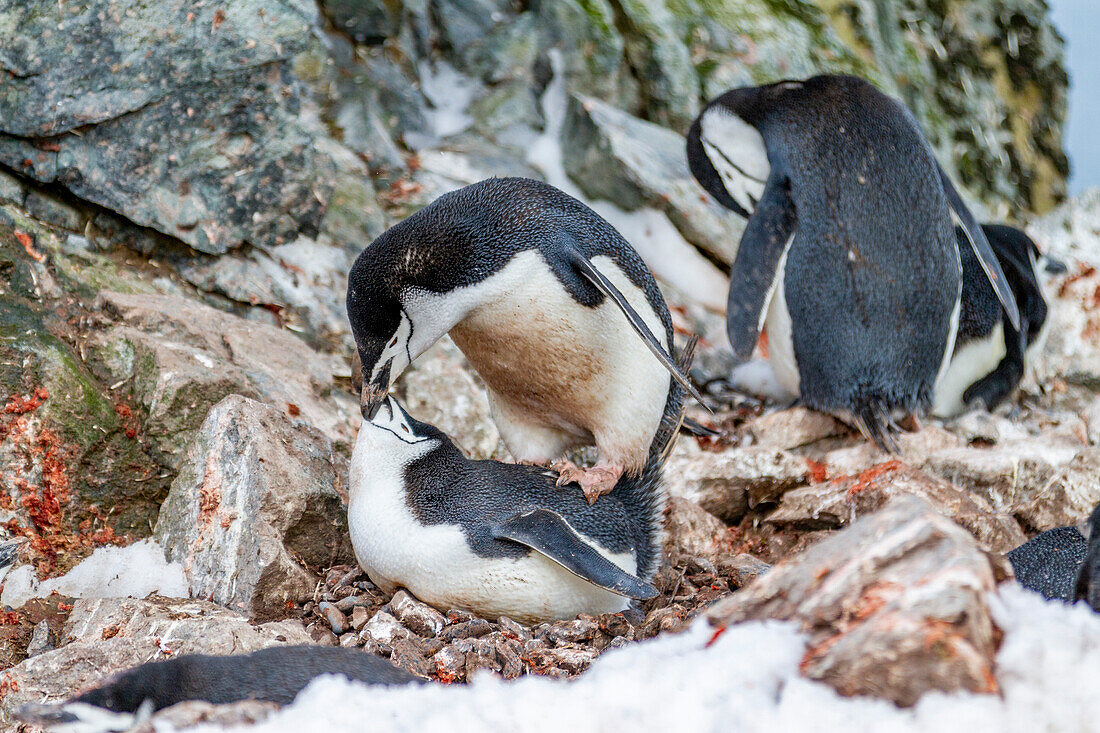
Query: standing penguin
{"x": 493, "y": 538}
{"x": 849, "y": 255}
{"x": 990, "y": 356}
{"x": 553, "y": 308}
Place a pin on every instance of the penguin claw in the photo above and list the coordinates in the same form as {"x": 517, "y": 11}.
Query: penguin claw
{"x": 594, "y": 482}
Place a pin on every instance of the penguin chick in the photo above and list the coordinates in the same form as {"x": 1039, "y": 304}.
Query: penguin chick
{"x": 553, "y": 308}
{"x": 1087, "y": 585}
{"x": 990, "y": 356}
{"x": 276, "y": 674}
{"x": 493, "y": 538}
{"x": 849, "y": 255}
{"x": 1062, "y": 563}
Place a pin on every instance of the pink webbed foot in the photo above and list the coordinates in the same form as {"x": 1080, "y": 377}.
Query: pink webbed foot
{"x": 594, "y": 482}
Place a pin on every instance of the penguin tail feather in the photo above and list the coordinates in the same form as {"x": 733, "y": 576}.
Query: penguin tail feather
{"x": 874, "y": 421}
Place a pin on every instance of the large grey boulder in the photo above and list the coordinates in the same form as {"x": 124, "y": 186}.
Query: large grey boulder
{"x": 177, "y": 358}
{"x": 254, "y": 507}
{"x": 894, "y": 605}
{"x": 841, "y": 501}
{"x": 614, "y": 156}
{"x": 104, "y": 636}
{"x": 188, "y": 118}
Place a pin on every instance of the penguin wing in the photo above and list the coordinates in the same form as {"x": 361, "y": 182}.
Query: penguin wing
{"x": 548, "y": 533}
{"x": 754, "y": 273}
{"x": 978, "y": 241}
{"x": 588, "y": 271}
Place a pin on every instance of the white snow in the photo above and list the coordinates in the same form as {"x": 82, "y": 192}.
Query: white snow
{"x": 133, "y": 571}
{"x": 746, "y": 681}
{"x": 450, "y": 93}
{"x": 649, "y": 231}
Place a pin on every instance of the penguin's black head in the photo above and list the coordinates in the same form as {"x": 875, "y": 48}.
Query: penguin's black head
{"x": 380, "y": 325}
{"x": 130, "y": 690}
{"x": 1088, "y": 575}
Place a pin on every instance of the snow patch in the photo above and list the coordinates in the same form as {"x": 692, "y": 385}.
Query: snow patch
{"x": 450, "y": 93}
{"x": 747, "y": 680}
{"x": 133, "y": 571}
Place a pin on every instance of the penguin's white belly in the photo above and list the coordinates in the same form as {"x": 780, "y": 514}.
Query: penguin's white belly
{"x": 437, "y": 565}
{"x": 561, "y": 374}
{"x": 969, "y": 364}
{"x": 780, "y": 338}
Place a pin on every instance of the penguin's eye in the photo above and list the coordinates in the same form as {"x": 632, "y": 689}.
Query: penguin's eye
{"x": 405, "y": 428}
{"x": 393, "y": 341}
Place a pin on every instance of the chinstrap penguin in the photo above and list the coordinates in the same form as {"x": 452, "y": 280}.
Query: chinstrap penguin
{"x": 849, "y": 256}
{"x": 990, "y": 356}
{"x": 493, "y": 538}
{"x": 1062, "y": 563}
{"x": 553, "y": 308}
{"x": 276, "y": 674}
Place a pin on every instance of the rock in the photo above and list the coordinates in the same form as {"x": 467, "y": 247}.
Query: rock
{"x": 193, "y": 119}
{"x": 692, "y": 530}
{"x": 985, "y": 427}
{"x": 840, "y": 501}
{"x": 322, "y": 635}
{"x": 441, "y": 389}
{"x": 579, "y": 630}
{"x": 793, "y": 428}
{"x": 1007, "y": 474}
{"x": 255, "y": 498}
{"x": 40, "y": 640}
{"x": 894, "y": 605}
{"x": 915, "y": 449}
{"x": 1072, "y": 351}
{"x": 336, "y": 620}
{"x": 359, "y": 617}
{"x": 617, "y": 157}
{"x": 1067, "y": 498}
{"x": 184, "y": 715}
{"x": 384, "y": 629}
{"x": 472, "y": 629}
{"x": 103, "y": 636}
{"x": 742, "y": 569}
{"x": 1092, "y": 420}
{"x": 728, "y": 483}
{"x": 178, "y": 358}
{"x": 418, "y": 617}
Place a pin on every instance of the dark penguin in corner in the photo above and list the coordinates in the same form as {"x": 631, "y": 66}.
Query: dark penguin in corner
{"x": 849, "y": 255}
{"x": 493, "y": 538}
{"x": 553, "y": 308}
{"x": 1062, "y": 563}
{"x": 276, "y": 674}
{"x": 991, "y": 356}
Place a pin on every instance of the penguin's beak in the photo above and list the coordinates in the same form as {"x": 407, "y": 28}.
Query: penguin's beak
{"x": 371, "y": 399}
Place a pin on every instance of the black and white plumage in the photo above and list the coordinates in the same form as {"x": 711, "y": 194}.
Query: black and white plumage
{"x": 990, "y": 356}
{"x": 849, "y": 258}
{"x": 1062, "y": 563}
{"x": 497, "y": 539}
{"x": 276, "y": 674}
{"x": 552, "y": 307}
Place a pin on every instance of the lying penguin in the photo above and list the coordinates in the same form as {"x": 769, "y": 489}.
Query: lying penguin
{"x": 1062, "y": 563}
{"x": 990, "y": 355}
{"x": 493, "y": 538}
{"x": 849, "y": 256}
{"x": 553, "y": 308}
{"x": 276, "y": 674}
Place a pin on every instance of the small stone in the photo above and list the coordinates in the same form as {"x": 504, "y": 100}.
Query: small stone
{"x": 615, "y": 625}
{"x": 408, "y": 656}
{"x": 349, "y": 639}
{"x": 450, "y": 664}
{"x": 40, "y": 639}
{"x": 383, "y": 628}
{"x": 467, "y": 630}
{"x": 513, "y": 629}
{"x": 572, "y": 632}
{"x": 457, "y": 616}
{"x": 337, "y": 621}
{"x": 421, "y": 618}
{"x": 670, "y": 618}
{"x": 793, "y": 428}
{"x": 347, "y": 603}
{"x": 692, "y": 530}
{"x": 322, "y": 634}
{"x": 741, "y": 569}
{"x": 359, "y": 617}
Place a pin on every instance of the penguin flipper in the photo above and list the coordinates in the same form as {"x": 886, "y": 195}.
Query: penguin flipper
{"x": 587, "y": 270}
{"x": 986, "y": 258}
{"x": 548, "y": 533}
{"x": 753, "y": 276}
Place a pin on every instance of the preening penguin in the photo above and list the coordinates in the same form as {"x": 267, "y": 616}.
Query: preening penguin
{"x": 552, "y": 307}
{"x": 497, "y": 539}
{"x": 848, "y": 257}
{"x": 275, "y": 674}
{"x": 990, "y": 356}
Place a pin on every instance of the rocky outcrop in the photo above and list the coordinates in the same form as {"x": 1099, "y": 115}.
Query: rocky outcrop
{"x": 254, "y": 508}
{"x": 894, "y": 605}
